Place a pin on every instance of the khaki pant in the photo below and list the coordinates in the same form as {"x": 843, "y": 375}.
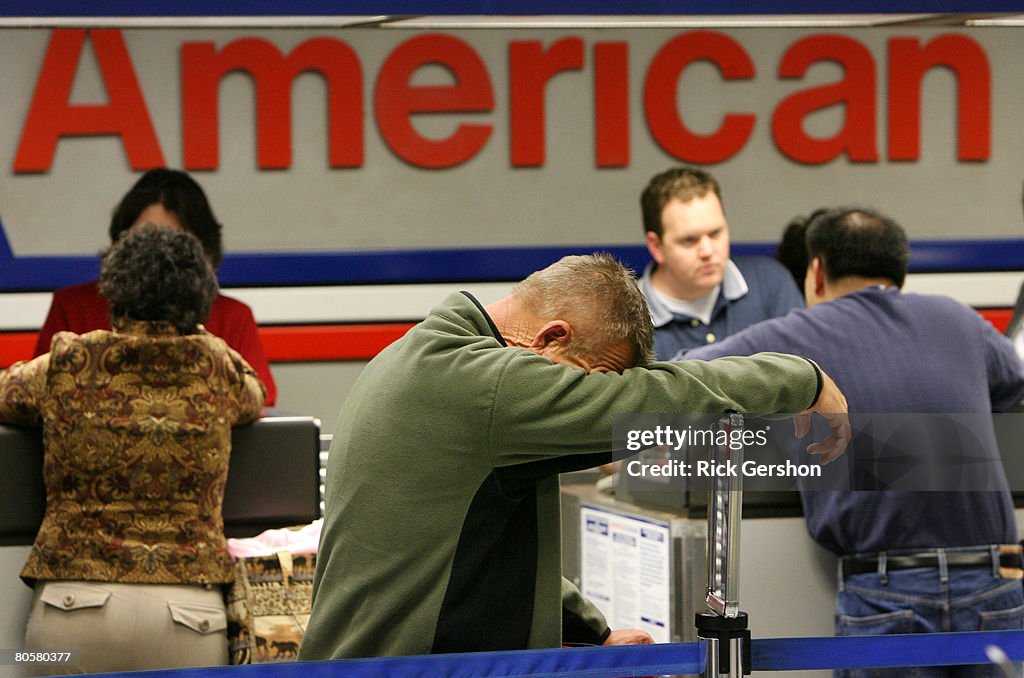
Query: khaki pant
{"x": 126, "y": 627}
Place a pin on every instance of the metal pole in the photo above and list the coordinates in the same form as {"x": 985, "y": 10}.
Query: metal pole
{"x": 725, "y": 504}
{"x": 724, "y": 627}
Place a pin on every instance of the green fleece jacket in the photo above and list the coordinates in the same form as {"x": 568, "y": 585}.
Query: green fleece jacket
{"x": 442, "y": 524}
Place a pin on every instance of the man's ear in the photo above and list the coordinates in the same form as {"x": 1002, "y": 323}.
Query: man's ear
{"x": 553, "y": 333}
{"x": 817, "y": 272}
{"x": 653, "y": 242}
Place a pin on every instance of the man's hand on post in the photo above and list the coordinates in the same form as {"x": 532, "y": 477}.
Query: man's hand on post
{"x": 831, "y": 405}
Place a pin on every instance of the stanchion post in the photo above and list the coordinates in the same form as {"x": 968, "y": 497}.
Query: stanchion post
{"x": 728, "y": 644}
{"x": 724, "y": 626}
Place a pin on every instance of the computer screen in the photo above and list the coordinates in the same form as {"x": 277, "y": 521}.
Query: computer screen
{"x": 273, "y": 477}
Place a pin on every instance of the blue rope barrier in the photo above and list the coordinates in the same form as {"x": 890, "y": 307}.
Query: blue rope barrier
{"x": 589, "y": 662}
{"x": 768, "y": 654}
{"x": 857, "y": 652}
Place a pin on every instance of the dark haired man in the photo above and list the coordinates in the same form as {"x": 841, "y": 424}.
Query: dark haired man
{"x": 697, "y": 293}
{"x": 914, "y": 560}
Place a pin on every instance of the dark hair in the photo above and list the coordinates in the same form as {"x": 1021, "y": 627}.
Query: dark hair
{"x": 179, "y": 193}
{"x": 158, "y": 273}
{"x": 681, "y": 183}
{"x": 792, "y": 249}
{"x": 861, "y": 242}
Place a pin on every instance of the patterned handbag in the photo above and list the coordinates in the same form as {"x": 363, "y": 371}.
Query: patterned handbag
{"x": 268, "y": 607}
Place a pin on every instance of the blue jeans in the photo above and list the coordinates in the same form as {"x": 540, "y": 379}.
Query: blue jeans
{"x": 928, "y": 600}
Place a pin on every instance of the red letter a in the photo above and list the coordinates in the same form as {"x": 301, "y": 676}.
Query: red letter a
{"x": 52, "y": 116}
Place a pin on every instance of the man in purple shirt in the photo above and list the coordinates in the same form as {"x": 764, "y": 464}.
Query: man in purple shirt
{"x": 916, "y": 559}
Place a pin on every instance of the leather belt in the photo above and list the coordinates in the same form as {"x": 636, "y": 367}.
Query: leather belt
{"x": 1007, "y": 558}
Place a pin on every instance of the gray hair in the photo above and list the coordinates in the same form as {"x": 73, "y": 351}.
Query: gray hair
{"x": 599, "y": 297}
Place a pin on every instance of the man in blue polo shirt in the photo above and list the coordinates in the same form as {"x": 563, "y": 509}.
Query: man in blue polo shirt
{"x": 919, "y": 558}
{"x": 696, "y": 293}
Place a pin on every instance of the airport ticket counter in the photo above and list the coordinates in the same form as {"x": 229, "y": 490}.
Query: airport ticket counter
{"x": 645, "y": 563}
{"x": 640, "y": 552}
{"x": 273, "y": 481}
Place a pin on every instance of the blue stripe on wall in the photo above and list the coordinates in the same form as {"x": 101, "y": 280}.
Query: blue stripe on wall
{"x": 177, "y": 8}
{"x": 240, "y": 269}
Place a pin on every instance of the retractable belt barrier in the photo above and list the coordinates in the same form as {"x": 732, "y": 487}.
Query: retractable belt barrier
{"x": 768, "y": 654}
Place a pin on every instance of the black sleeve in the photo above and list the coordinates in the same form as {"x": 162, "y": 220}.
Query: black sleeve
{"x": 575, "y": 631}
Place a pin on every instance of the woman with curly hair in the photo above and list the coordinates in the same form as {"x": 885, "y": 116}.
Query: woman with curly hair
{"x": 131, "y": 555}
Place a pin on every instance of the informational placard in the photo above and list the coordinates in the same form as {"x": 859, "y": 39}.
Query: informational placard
{"x": 625, "y": 570}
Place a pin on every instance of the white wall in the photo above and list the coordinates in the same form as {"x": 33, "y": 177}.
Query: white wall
{"x": 315, "y": 389}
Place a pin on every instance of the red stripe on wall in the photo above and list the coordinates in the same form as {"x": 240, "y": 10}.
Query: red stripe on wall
{"x": 311, "y": 343}
{"x": 15, "y": 346}
{"x": 301, "y": 343}
{"x": 293, "y": 343}
{"x": 999, "y": 317}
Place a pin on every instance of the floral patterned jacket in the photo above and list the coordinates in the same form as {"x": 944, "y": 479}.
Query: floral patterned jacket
{"x": 137, "y": 437}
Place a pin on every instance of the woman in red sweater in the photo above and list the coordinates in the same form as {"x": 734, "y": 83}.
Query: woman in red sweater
{"x": 170, "y": 198}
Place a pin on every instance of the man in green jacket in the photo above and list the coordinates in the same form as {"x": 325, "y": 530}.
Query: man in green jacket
{"x": 442, "y": 529}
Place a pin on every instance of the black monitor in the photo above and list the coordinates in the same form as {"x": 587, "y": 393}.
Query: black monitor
{"x": 21, "y": 484}
{"x": 273, "y": 477}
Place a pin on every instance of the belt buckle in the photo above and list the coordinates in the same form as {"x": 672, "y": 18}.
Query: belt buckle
{"x": 1016, "y": 571}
